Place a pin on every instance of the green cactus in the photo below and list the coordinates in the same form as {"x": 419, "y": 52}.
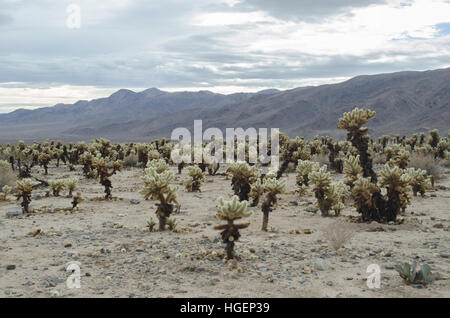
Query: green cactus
{"x": 411, "y": 275}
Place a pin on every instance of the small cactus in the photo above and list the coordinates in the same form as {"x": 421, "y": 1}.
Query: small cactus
{"x": 231, "y": 211}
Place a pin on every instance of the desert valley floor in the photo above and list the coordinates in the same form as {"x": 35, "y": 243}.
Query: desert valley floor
{"x": 119, "y": 257}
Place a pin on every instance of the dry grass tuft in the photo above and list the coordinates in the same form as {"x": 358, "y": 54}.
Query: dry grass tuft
{"x": 426, "y": 162}
{"x": 338, "y": 234}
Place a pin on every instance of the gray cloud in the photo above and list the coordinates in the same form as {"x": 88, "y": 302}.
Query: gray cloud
{"x": 305, "y": 10}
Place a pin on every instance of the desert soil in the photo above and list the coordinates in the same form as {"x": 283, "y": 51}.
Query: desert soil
{"x": 120, "y": 258}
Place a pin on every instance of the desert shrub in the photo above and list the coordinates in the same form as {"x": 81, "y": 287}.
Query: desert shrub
{"x": 7, "y": 176}
{"x": 427, "y": 162}
{"x": 131, "y": 160}
{"x": 231, "y": 211}
{"x": 322, "y": 159}
{"x": 338, "y": 234}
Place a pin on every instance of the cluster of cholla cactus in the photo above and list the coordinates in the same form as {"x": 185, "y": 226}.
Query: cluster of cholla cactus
{"x": 418, "y": 181}
{"x": 57, "y": 186}
{"x": 373, "y": 205}
{"x": 195, "y": 180}
{"x": 243, "y": 176}
{"x": 23, "y": 189}
{"x": 304, "y": 168}
{"x": 291, "y": 151}
{"x": 357, "y": 134}
{"x": 157, "y": 187}
{"x": 330, "y": 196}
{"x": 230, "y": 211}
{"x": 352, "y": 170}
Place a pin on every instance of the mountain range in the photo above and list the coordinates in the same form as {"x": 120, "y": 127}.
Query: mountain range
{"x": 405, "y": 102}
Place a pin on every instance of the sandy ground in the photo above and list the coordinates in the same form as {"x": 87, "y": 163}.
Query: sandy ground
{"x": 119, "y": 259}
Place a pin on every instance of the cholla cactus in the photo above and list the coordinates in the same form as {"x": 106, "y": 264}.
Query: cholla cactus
{"x": 329, "y": 196}
{"x": 6, "y": 190}
{"x": 304, "y": 168}
{"x": 372, "y": 205}
{"x": 87, "y": 159}
{"x": 76, "y": 199}
{"x": 243, "y": 177}
{"x": 103, "y": 173}
{"x": 195, "y": 180}
{"x": 363, "y": 194}
{"x": 357, "y": 135}
{"x": 231, "y": 211}
{"x": 256, "y": 192}
{"x": 273, "y": 188}
{"x": 157, "y": 188}
{"x": 418, "y": 181}
{"x": 71, "y": 185}
{"x": 57, "y": 186}
{"x": 400, "y": 159}
{"x": 397, "y": 184}
{"x": 352, "y": 170}
{"x": 23, "y": 190}
{"x": 160, "y": 165}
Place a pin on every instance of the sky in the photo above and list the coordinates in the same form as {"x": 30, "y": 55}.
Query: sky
{"x": 62, "y": 51}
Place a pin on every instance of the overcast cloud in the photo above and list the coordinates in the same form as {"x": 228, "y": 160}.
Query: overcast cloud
{"x": 220, "y": 45}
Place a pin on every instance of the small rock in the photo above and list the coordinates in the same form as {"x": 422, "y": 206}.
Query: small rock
{"x": 321, "y": 265}
{"x": 134, "y": 201}
{"x": 311, "y": 209}
{"x": 389, "y": 266}
{"x": 330, "y": 283}
{"x": 14, "y": 212}
{"x": 444, "y": 255}
{"x": 438, "y": 226}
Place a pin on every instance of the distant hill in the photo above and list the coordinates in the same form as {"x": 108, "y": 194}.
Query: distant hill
{"x": 405, "y": 102}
